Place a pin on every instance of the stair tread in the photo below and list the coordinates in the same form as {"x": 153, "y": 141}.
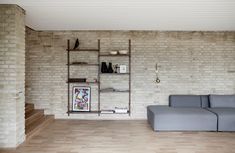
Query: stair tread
{"x": 39, "y": 125}
{"x": 34, "y": 117}
{"x": 41, "y": 120}
{"x": 35, "y": 120}
{"x": 33, "y": 113}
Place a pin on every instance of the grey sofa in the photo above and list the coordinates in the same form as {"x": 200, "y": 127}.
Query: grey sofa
{"x": 194, "y": 113}
{"x": 224, "y": 107}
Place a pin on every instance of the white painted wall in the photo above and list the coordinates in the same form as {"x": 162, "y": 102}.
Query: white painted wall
{"x": 186, "y": 15}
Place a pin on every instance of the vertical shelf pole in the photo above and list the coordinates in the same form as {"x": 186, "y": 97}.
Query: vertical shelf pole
{"x": 68, "y": 76}
{"x": 129, "y": 77}
{"x": 98, "y": 77}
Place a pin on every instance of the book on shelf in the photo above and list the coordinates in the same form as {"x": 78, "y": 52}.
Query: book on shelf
{"x": 107, "y": 111}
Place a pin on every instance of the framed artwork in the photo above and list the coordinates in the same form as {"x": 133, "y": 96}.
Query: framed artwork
{"x": 81, "y": 98}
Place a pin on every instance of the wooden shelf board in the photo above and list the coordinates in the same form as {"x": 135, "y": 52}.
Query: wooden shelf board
{"x": 82, "y": 82}
{"x": 80, "y": 112}
{"x": 83, "y": 50}
{"x": 115, "y": 55}
{"x": 114, "y": 73}
{"x": 114, "y": 91}
{"x": 128, "y": 112}
{"x": 73, "y": 64}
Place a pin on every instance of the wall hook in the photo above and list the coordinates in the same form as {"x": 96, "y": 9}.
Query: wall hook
{"x": 156, "y": 71}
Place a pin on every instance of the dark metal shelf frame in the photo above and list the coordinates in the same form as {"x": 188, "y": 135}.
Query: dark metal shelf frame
{"x": 69, "y": 50}
{"x": 70, "y": 81}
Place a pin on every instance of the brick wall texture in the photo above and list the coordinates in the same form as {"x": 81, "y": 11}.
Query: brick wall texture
{"x": 12, "y": 75}
{"x": 189, "y": 63}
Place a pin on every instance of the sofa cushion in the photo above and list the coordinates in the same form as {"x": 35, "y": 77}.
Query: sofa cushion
{"x": 163, "y": 118}
{"x": 222, "y": 101}
{"x": 205, "y": 101}
{"x": 184, "y": 101}
{"x": 226, "y": 118}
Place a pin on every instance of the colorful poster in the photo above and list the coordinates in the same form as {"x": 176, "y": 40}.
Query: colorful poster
{"x": 81, "y": 98}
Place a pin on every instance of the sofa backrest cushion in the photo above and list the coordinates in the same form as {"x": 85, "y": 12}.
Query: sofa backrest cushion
{"x": 222, "y": 101}
{"x": 205, "y": 101}
{"x": 184, "y": 101}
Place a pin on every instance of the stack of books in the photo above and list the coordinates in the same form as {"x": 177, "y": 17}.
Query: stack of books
{"x": 120, "y": 110}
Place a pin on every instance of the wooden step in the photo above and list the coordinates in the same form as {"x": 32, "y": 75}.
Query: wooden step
{"x": 29, "y": 108}
{"x": 33, "y": 117}
{"x": 36, "y": 127}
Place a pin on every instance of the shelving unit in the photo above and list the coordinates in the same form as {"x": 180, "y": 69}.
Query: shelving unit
{"x": 99, "y": 74}
{"x": 73, "y": 80}
{"x": 107, "y": 55}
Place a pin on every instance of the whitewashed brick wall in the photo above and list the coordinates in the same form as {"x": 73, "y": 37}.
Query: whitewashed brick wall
{"x": 189, "y": 63}
{"x": 12, "y": 75}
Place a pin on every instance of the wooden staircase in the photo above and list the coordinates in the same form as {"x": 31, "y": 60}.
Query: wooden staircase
{"x": 35, "y": 120}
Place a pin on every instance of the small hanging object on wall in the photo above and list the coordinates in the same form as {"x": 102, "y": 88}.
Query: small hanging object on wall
{"x": 157, "y": 78}
{"x": 76, "y": 44}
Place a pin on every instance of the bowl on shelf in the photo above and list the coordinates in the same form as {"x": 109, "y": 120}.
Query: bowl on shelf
{"x": 113, "y": 52}
{"x": 123, "y": 52}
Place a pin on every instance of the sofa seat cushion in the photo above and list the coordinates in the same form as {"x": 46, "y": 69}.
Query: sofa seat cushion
{"x": 222, "y": 101}
{"x": 226, "y": 118}
{"x": 164, "y": 118}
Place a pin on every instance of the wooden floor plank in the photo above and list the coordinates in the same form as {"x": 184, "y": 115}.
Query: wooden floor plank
{"x": 80, "y": 136}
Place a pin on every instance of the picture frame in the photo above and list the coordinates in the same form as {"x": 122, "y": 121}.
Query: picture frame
{"x": 81, "y": 100}
{"x": 123, "y": 69}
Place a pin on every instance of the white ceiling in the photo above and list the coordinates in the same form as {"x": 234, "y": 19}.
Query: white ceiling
{"x": 205, "y": 15}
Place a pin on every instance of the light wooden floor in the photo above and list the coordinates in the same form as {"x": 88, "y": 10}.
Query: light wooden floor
{"x": 74, "y": 136}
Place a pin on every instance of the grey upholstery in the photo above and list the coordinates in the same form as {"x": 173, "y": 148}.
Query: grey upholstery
{"x": 189, "y": 101}
{"x": 194, "y": 113}
{"x": 226, "y": 118}
{"x": 205, "y": 101}
{"x": 222, "y": 101}
{"x": 164, "y": 118}
{"x": 185, "y": 101}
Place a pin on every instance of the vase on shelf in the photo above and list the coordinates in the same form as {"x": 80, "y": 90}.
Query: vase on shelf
{"x": 110, "y": 68}
{"x": 104, "y": 68}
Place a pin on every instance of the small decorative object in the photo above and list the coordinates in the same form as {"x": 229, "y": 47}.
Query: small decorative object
{"x": 114, "y": 52}
{"x": 115, "y": 67}
{"x": 157, "y": 78}
{"x": 81, "y": 98}
{"x": 95, "y": 80}
{"x": 104, "y": 67}
{"x": 123, "y": 52}
{"x": 110, "y": 68}
{"x": 122, "y": 69}
{"x": 76, "y": 44}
